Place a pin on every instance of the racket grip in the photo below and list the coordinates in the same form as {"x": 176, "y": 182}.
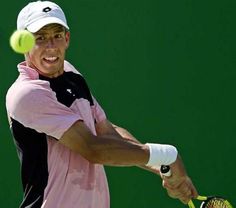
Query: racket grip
{"x": 190, "y": 204}
{"x": 165, "y": 170}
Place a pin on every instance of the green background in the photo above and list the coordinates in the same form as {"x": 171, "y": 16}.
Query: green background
{"x": 165, "y": 70}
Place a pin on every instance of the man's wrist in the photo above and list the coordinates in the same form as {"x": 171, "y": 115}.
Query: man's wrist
{"x": 161, "y": 154}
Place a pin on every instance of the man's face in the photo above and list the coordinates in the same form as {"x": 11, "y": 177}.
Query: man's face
{"x": 48, "y": 54}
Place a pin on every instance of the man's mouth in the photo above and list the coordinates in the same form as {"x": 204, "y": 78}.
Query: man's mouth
{"x": 51, "y": 59}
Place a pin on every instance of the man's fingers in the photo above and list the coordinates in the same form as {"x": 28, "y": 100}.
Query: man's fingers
{"x": 183, "y": 191}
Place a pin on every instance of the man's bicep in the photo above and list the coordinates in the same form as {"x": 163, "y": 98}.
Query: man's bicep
{"x": 78, "y": 138}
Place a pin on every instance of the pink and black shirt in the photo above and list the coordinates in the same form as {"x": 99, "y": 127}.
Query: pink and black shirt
{"x": 40, "y": 110}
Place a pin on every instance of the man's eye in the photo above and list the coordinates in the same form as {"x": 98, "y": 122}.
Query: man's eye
{"x": 58, "y": 35}
{"x": 40, "y": 38}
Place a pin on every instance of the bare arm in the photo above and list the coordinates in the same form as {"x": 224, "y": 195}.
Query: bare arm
{"x": 179, "y": 185}
{"x": 107, "y": 148}
{"x": 110, "y": 148}
{"x": 127, "y": 135}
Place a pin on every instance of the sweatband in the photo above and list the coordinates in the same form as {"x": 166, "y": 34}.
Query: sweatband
{"x": 161, "y": 154}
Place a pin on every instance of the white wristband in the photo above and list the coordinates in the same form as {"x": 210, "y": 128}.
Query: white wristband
{"x": 161, "y": 154}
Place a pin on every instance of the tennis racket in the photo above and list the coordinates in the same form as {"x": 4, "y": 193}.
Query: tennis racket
{"x": 207, "y": 201}
{"x": 211, "y": 202}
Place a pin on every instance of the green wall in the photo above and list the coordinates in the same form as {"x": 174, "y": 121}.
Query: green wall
{"x": 165, "y": 70}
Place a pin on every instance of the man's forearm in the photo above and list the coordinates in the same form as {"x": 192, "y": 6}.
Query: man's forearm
{"x": 127, "y": 135}
{"x": 107, "y": 147}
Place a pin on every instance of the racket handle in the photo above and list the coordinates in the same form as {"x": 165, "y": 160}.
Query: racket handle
{"x": 165, "y": 170}
{"x": 190, "y": 204}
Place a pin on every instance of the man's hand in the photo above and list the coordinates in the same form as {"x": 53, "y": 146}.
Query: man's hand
{"x": 179, "y": 185}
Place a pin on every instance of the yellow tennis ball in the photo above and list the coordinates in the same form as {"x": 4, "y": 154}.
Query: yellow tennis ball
{"x": 22, "y": 41}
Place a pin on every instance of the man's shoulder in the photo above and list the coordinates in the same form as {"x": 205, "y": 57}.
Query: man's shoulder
{"x": 28, "y": 86}
{"x": 27, "y": 91}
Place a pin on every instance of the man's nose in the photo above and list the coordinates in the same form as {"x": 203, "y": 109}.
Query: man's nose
{"x": 51, "y": 43}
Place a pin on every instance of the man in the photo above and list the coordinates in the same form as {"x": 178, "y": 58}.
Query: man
{"x": 62, "y": 134}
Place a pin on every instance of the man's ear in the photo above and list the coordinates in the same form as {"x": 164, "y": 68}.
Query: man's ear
{"x": 67, "y": 39}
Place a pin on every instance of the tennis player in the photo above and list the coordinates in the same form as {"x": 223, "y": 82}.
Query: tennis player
{"x": 62, "y": 135}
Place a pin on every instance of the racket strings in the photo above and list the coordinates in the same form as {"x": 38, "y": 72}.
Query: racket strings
{"x": 216, "y": 203}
